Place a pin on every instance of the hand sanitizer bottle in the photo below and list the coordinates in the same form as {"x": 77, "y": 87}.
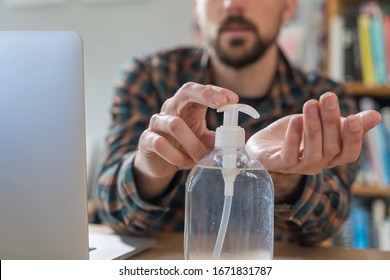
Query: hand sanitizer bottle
{"x": 229, "y": 210}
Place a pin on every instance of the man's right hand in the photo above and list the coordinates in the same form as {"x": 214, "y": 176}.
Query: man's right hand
{"x": 177, "y": 137}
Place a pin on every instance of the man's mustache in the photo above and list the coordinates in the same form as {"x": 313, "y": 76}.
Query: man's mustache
{"x": 237, "y": 19}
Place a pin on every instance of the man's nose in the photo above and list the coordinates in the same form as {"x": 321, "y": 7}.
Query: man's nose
{"x": 234, "y": 6}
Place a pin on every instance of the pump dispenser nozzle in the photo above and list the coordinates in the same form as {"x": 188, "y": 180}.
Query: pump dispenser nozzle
{"x": 231, "y": 113}
{"x": 229, "y": 137}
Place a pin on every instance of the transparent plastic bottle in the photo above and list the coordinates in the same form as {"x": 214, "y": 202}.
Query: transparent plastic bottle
{"x": 229, "y": 199}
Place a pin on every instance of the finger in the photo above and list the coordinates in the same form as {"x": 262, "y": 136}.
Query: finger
{"x": 208, "y": 140}
{"x": 352, "y": 142}
{"x": 203, "y": 95}
{"x": 151, "y": 142}
{"x": 370, "y": 119}
{"x": 312, "y": 130}
{"x": 181, "y": 133}
{"x": 292, "y": 142}
{"x": 330, "y": 117}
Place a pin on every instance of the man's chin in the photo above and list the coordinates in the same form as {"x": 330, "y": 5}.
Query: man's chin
{"x": 238, "y": 59}
{"x": 235, "y": 53}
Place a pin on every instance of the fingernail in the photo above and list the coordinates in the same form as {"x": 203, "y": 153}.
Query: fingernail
{"x": 313, "y": 110}
{"x": 330, "y": 101}
{"x": 354, "y": 124}
{"x": 219, "y": 99}
{"x": 297, "y": 122}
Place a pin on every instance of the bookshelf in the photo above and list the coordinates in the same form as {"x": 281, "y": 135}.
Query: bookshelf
{"x": 368, "y": 224}
{"x": 361, "y": 190}
{"x": 358, "y": 88}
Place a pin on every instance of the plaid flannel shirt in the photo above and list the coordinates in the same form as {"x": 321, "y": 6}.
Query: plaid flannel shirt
{"x": 143, "y": 86}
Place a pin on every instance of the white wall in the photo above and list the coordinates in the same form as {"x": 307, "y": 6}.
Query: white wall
{"x": 111, "y": 32}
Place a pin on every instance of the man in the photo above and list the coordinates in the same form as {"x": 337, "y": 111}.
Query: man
{"x": 161, "y": 125}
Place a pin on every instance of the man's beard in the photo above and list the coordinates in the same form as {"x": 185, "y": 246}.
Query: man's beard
{"x": 258, "y": 49}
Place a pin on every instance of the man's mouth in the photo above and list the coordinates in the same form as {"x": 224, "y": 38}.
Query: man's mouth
{"x": 236, "y": 30}
{"x": 236, "y": 27}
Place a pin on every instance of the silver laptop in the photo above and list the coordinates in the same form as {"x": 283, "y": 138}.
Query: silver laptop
{"x": 43, "y": 192}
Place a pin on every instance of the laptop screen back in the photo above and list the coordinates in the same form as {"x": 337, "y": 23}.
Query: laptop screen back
{"x": 43, "y": 211}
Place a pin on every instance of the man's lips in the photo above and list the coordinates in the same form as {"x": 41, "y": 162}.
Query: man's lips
{"x": 236, "y": 27}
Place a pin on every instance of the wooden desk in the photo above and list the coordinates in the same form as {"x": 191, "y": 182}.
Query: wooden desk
{"x": 169, "y": 246}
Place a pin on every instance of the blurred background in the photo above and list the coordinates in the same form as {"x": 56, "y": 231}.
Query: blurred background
{"x": 112, "y": 31}
{"x": 115, "y": 30}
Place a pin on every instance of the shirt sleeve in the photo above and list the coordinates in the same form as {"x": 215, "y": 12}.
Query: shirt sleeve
{"x": 118, "y": 202}
{"x": 325, "y": 202}
{"x": 321, "y": 209}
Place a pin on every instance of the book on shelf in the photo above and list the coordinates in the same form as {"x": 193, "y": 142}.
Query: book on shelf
{"x": 366, "y": 49}
{"x": 360, "y": 228}
{"x": 378, "y": 49}
{"x": 386, "y": 19}
{"x": 377, "y": 146}
{"x": 336, "y": 49}
{"x": 384, "y": 127}
{"x": 352, "y": 65}
{"x": 380, "y": 224}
